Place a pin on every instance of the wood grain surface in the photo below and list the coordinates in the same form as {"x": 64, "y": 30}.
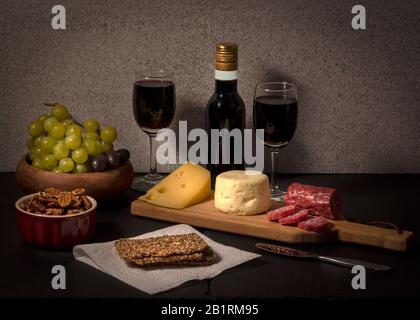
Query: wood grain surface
{"x": 207, "y": 216}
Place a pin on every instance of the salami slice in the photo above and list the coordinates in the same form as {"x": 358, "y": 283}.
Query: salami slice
{"x": 316, "y": 224}
{"x": 318, "y": 200}
{"x": 295, "y": 218}
{"x": 277, "y": 214}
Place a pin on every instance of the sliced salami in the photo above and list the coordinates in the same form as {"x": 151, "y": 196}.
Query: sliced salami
{"x": 318, "y": 200}
{"x": 302, "y": 215}
{"x": 316, "y": 224}
{"x": 279, "y": 213}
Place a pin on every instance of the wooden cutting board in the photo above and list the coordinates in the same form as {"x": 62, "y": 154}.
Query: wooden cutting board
{"x": 207, "y": 216}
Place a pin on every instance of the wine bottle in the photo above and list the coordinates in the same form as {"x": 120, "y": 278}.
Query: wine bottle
{"x": 225, "y": 110}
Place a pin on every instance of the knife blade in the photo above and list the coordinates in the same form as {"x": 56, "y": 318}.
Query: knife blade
{"x": 345, "y": 262}
{"x": 284, "y": 250}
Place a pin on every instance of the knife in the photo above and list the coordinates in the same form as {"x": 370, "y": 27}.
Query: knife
{"x": 345, "y": 262}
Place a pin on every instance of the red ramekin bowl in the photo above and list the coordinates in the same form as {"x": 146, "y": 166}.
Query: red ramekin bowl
{"x": 55, "y": 232}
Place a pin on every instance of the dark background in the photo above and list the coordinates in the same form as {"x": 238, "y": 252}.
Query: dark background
{"x": 358, "y": 90}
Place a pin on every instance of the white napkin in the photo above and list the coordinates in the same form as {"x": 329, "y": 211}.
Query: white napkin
{"x": 104, "y": 257}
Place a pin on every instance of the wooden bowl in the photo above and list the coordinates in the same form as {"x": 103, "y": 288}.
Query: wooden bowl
{"x": 100, "y": 185}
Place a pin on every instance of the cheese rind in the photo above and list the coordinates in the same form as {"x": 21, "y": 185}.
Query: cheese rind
{"x": 242, "y": 192}
{"x": 189, "y": 184}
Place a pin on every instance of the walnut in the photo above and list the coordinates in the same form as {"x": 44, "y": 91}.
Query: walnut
{"x": 65, "y": 199}
{"x": 54, "y": 211}
{"x": 76, "y": 202}
{"x": 73, "y": 211}
{"x": 46, "y": 198}
{"x": 86, "y": 203}
{"x": 79, "y": 191}
{"x": 53, "y": 201}
{"x": 52, "y": 191}
{"x": 37, "y": 206}
{"x": 53, "y": 204}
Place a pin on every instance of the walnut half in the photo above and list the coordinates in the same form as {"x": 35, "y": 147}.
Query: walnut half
{"x": 53, "y": 201}
{"x": 79, "y": 191}
{"x": 65, "y": 199}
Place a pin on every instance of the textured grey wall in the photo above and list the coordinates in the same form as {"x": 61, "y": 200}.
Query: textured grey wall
{"x": 358, "y": 90}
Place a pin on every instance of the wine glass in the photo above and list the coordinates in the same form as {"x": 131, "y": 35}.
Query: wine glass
{"x": 275, "y": 111}
{"x": 154, "y": 109}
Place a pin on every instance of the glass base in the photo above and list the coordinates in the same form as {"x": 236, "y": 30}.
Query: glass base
{"x": 143, "y": 184}
{"x": 277, "y": 194}
{"x": 153, "y": 177}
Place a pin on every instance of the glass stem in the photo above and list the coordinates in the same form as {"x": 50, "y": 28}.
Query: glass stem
{"x": 152, "y": 168}
{"x": 274, "y": 170}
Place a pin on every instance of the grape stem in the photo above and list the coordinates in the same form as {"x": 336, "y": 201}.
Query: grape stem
{"x": 75, "y": 121}
{"x": 50, "y": 104}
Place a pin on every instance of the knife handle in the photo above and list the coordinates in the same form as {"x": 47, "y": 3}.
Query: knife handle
{"x": 346, "y": 262}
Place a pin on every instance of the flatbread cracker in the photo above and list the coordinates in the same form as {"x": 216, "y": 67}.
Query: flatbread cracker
{"x": 194, "y": 259}
{"x": 160, "y": 246}
{"x": 176, "y": 250}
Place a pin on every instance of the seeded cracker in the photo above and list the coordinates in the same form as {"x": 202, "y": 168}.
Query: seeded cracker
{"x": 194, "y": 259}
{"x": 160, "y": 246}
{"x": 178, "y": 250}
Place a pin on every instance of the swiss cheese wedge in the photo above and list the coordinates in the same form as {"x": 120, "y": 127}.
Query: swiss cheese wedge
{"x": 187, "y": 185}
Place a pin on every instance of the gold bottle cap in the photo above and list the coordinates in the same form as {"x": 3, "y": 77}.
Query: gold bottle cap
{"x": 227, "y": 56}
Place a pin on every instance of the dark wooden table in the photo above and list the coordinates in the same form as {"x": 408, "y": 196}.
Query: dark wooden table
{"x": 26, "y": 271}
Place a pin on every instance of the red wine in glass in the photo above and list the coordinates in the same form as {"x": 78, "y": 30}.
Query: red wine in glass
{"x": 153, "y": 109}
{"x": 275, "y": 111}
{"x": 153, "y": 104}
{"x": 277, "y": 115}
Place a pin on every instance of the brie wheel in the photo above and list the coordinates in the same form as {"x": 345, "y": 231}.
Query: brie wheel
{"x": 242, "y": 192}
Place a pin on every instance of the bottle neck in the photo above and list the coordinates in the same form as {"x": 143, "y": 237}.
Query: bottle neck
{"x": 226, "y": 81}
{"x": 226, "y": 86}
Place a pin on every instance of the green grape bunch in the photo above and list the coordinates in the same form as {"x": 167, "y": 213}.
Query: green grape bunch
{"x": 60, "y": 144}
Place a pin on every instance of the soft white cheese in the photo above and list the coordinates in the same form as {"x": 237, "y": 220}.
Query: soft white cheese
{"x": 242, "y": 192}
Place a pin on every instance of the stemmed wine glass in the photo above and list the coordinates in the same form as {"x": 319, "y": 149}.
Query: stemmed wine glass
{"x": 154, "y": 109}
{"x": 275, "y": 111}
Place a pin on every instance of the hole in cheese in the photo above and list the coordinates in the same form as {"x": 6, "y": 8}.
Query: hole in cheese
{"x": 161, "y": 190}
{"x": 149, "y": 197}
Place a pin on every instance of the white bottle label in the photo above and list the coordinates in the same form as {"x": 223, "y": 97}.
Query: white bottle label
{"x": 226, "y": 75}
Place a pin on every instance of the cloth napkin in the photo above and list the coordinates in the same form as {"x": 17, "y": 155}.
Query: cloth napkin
{"x": 104, "y": 257}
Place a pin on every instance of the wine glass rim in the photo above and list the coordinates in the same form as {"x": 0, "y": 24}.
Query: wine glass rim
{"x": 154, "y": 72}
{"x": 287, "y": 86}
